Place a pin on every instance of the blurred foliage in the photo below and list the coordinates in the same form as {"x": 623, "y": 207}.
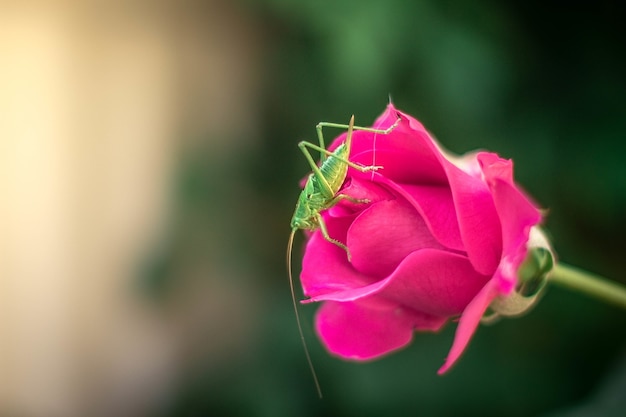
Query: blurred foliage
{"x": 543, "y": 86}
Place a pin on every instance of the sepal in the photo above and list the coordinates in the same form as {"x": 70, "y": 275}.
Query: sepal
{"x": 532, "y": 278}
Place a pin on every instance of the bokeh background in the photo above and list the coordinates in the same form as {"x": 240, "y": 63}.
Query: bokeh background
{"x": 149, "y": 169}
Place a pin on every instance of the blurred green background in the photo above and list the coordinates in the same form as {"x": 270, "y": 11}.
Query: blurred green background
{"x": 543, "y": 86}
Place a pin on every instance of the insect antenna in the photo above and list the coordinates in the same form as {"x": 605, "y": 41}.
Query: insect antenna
{"x": 295, "y": 309}
{"x": 373, "y": 152}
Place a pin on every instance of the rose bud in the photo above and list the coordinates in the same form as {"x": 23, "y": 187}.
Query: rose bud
{"x": 440, "y": 238}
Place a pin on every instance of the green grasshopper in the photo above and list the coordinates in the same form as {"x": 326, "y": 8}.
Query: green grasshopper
{"x": 321, "y": 193}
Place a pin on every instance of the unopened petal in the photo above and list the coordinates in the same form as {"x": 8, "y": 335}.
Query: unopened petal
{"x": 436, "y": 206}
{"x": 384, "y": 234}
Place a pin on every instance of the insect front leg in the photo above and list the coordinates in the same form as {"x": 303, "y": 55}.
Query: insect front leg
{"x": 324, "y": 231}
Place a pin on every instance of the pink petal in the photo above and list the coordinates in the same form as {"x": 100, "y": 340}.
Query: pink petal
{"x": 436, "y": 206}
{"x": 463, "y": 217}
{"x": 469, "y": 321}
{"x": 404, "y": 159}
{"x": 409, "y": 155}
{"x": 384, "y": 234}
{"x": 431, "y": 281}
{"x": 517, "y": 215}
{"x": 325, "y": 269}
{"x": 405, "y": 153}
{"x": 477, "y": 217}
{"x": 434, "y": 282}
{"x": 362, "y": 190}
{"x": 356, "y": 331}
{"x": 337, "y": 226}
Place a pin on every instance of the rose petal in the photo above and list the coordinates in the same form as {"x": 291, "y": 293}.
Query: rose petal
{"x": 436, "y": 206}
{"x": 361, "y": 190}
{"x": 409, "y": 155}
{"x": 428, "y": 280}
{"x": 356, "y": 331}
{"x": 469, "y": 321}
{"x": 337, "y": 226}
{"x": 384, "y": 234}
{"x": 406, "y": 161}
{"x": 467, "y": 162}
{"x": 434, "y": 282}
{"x": 325, "y": 269}
{"x": 517, "y": 215}
{"x": 516, "y": 212}
{"x": 477, "y": 217}
{"x": 475, "y": 226}
{"x": 405, "y": 153}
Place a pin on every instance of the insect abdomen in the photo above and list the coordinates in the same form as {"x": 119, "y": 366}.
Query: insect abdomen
{"x": 335, "y": 170}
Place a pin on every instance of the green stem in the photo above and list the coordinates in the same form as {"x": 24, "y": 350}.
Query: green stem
{"x": 588, "y": 283}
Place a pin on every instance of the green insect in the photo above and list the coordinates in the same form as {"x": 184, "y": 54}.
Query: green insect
{"x": 321, "y": 193}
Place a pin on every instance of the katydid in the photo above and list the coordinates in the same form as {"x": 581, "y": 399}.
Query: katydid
{"x": 321, "y": 193}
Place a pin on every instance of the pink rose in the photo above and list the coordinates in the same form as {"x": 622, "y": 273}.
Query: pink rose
{"x": 441, "y": 237}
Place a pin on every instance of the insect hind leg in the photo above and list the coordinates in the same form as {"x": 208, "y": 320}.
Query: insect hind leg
{"x": 351, "y": 199}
